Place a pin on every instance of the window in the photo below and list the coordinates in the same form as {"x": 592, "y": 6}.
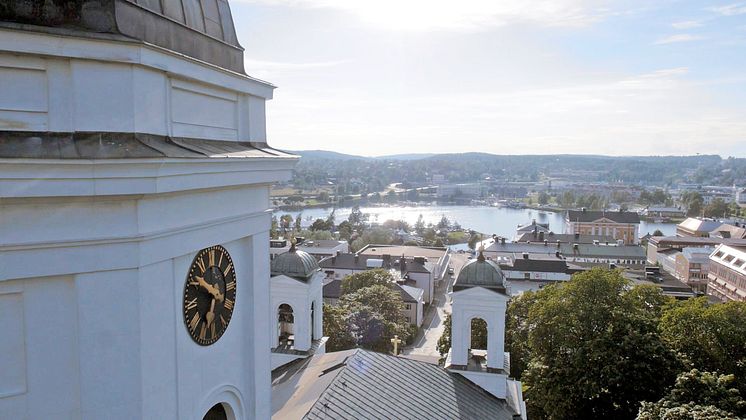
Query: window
{"x": 527, "y": 276}
{"x": 408, "y": 306}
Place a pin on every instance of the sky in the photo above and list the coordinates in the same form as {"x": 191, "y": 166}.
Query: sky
{"x": 386, "y": 77}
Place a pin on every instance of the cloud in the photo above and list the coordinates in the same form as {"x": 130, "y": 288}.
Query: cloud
{"x": 259, "y": 65}
{"x": 464, "y": 15}
{"x": 678, "y": 38}
{"x": 687, "y": 24}
{"x": 730, "y": 9}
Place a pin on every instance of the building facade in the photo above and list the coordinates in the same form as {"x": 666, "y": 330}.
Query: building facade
{"x": 134, "y": 197}
{"x": 727, "y": 273}
{"x": 620, "y": 225}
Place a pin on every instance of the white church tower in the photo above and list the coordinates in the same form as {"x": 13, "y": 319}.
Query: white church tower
{"x": 296, "y": 309}
{"x": 134, "y": 196}
{"x": 479, "y": 299}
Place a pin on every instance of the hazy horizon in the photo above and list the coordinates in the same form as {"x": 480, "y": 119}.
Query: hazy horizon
{"x": 561, "y": 76}
{"x": 506, "y": 154}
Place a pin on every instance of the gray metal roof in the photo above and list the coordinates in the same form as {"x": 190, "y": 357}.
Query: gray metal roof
{"x": 480, "y": 272}
{"x": 202, "y": 29}
{"x": 591, "y": 216}
{"x": 296, "y": 264}
{"x": 373, "y": 385}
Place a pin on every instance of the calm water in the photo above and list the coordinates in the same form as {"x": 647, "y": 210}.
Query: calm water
{"x": 488, "y": 220}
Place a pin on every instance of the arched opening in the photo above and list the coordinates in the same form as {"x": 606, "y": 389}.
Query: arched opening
{"x": 217, "y": 412}
{"x": 313, "y": 321}
{"x": 478, "y": 342}
{"x": 285, "y": 326}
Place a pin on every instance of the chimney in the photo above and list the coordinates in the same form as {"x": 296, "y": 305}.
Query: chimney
{"x": 546, "y": 243}
{"x": 525, "y": 255}
{"x": 557, "y": 254}
{"x": 541, "y": 236}
{"x": 577, "y": 236}
{"x": 403, "y": 266}
{"x": 357, "y": 258}
{"x": 583, "y": 209}
{"x": 502, "y": 241}
{"x": 559, "y": 243}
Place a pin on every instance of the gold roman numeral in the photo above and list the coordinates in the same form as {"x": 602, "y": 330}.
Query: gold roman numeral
{"x": 223, "y": 321}
{"x": 230, "y": 286}
{"x": 201, "y": 265}
{"x": 191, "y": 304}
{"x": 220, "y": 260}
{"x": 202, "y": 332}
{"x": 228, "y": 304}
{"x": 194, "y": 322}
{"x": 227, "y": 269}
{"x": 212, "y": 330}
{"x": 212, "y": 257}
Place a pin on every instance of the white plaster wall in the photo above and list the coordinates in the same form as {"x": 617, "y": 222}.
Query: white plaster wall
{"x": 536, "y": 275}
{"x": 67, "y": 94}
{"x": 477, "y": 302}
{"x": 425, "y": 282}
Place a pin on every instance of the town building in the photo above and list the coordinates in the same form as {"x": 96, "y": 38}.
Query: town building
{"x": 727, "y": 273}
{"x": 456, "y": 191}
{"x": 565, "y": 238}
{"x": 435, "y": 259}
{"x": 620, "y": 225}
{"x": 318, "y": 248}
{"x": 729, "y": 231}
{"x": 584, "y": 255}
{"x": 662, "y": 244}
{"x": 692, "y": 267}
{"x": 296, "y": 307}
{"x": 663, "y": 212}
{"x": 741, "y": 197}
{"x": 134, "y": 193}
{"x": 413, "y": 298}
{"x": 411, "y": 270}
{"x": 694, "y": 226}
{"x": 536, "y": 267}
{"x": 532, "y": 228}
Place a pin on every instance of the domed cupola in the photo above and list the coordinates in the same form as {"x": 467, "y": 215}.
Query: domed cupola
{"x": 299, "y": 265}
{"x": 481, "y": 273}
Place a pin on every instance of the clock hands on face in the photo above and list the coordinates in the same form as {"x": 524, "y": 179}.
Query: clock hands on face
{"x": 210, "y": 315}
{"x": 213, "y": 290}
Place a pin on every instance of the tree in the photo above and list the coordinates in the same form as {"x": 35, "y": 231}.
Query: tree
{"x": 657, "y": 233}
{"x": 716, "y": 208}
{"x": 594, "y": 348}
{"x": 273, "y": 232}
{"x": 285, "y": 221}
{"x": 298, "y": 220}
{"x": 357, "y": 281}
{"x": 336, "y": 328}
{"x": 357, "y": 219}
{"x": 444, "y": 223}
{"x": 320, "y": 225}
{"x": 517, "y": 328}
{"x": 376, "y": 316}
{"x": 419, "y": 226}
{"x": 473, "y": 241}
{"x": 378, "y": 236}
{"x": 709, "y": 337}
{"x": 543, "y": 198}
{"x": 323, "y": 197}
{"x": 345, "y": 230}
{"x": 697, "y": 396}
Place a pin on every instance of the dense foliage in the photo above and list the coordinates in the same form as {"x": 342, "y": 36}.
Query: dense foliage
{"x": 598, "y": 347}
{"x": 368, "y": 315}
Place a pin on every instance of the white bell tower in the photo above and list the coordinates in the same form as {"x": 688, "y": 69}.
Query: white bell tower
{"x": 479, "y": 301}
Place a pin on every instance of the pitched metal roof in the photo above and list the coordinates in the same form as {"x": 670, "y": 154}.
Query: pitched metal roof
{"x": 592, "y": 216}
{"x": 552, "y": 238}
{"x": 371, "y": 385}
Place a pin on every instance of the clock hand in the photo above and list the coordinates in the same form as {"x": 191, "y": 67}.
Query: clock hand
{"x": 214, "y": 291}
{"x": 210, "y": 316}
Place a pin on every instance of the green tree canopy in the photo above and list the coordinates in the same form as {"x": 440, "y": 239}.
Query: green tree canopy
{"x": 357, "y": 281}
{"x": 697, "y": 396}
{"x": 594, "y": 348}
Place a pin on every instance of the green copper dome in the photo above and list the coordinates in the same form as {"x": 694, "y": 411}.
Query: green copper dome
{"x": 296, "y": 264}
{"x": 481, "y": 273}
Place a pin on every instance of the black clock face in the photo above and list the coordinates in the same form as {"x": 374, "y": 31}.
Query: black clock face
{"x": 209, "y": 295}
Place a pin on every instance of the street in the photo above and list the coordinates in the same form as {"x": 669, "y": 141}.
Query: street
{"x": 426, "y": 342}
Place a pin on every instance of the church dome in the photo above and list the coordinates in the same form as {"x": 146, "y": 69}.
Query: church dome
{"x": 481, "y": 273}
{"x": 296, "y": 264}
{"x": 201, "y": 29}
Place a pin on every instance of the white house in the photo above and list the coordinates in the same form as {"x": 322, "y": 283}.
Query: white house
{"x": 317, "y": 248}
{"x": 296, "y": 309}
{"x": 134, "y": 214}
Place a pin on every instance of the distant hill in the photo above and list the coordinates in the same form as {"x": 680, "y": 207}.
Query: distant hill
{"x": 409, "y": 156}
{"x": 325, "y": 154}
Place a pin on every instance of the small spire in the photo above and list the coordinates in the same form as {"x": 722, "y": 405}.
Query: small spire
{"x": 481, "y": 253}
{"x": 292, "y": 244}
